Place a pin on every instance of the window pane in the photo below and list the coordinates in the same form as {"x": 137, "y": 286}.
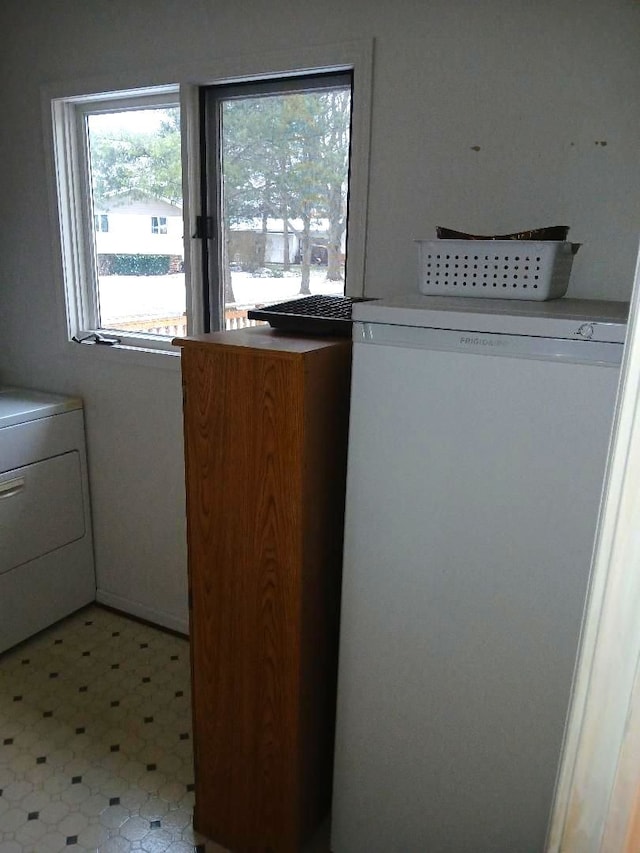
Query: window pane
{"x": 158, "y": 224}
{"x": 101, "y": 222}
{"x": 285, "y": 170}
{"x": 136, "y": 178}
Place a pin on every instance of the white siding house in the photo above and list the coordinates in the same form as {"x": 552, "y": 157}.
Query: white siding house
{"x": 139, "y": 227}
{"x": 245, "y": 237}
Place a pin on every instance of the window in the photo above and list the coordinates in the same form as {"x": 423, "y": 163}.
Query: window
{"x": 277, "y": 177}
{"x": 120, "y": 167}
{"x": 274, "y": 175}
{"x": 158, "y": 224}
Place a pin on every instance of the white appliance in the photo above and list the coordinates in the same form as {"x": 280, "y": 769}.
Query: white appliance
{"x": 478, "y": 441}
{"x": 46, "y": 551}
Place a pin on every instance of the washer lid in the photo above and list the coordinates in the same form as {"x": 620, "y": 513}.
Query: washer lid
{"x": 573, "y": 319}
{"x": 18, "y": 405}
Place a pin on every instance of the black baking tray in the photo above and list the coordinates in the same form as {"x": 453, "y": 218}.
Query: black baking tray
{"x": 314, "y": 315}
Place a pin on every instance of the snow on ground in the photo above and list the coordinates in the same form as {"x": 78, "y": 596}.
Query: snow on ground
{"x": 249, "y": 290}
{"x": 162, "y": 296}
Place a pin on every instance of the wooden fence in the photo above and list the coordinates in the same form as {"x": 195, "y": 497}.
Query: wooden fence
{"x": 176, "y": 327}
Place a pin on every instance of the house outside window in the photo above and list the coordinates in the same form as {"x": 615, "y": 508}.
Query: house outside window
{"x": 101, "y": 221}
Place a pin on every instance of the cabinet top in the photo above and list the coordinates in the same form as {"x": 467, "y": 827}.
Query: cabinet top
{"x": 19, "y": 405}
{"x": 263, "y": 338}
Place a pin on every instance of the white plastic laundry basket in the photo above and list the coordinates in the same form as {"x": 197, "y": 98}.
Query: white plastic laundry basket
{"x": 502, "y": 269}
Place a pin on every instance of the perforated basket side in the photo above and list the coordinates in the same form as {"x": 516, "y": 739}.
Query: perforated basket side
{"x": 504, "y": 269}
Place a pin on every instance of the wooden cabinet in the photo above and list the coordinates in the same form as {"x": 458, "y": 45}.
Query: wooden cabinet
{"x": 265, "y": 419}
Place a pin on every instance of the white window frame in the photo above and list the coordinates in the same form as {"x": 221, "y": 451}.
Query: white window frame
{"x": 75, "y": 210}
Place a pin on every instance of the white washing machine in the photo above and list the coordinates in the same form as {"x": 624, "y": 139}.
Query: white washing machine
{"x": 46, "y": 548}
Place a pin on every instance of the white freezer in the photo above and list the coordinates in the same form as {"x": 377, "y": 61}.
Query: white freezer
{"x": 574, "y": 319}
{"x": 474, "y": 480}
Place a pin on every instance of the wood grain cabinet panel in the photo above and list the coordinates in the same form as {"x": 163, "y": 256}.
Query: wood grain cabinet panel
{"x": 265, "y": 423}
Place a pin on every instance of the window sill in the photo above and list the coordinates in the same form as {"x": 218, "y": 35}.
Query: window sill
{"x": 162, "y": 359}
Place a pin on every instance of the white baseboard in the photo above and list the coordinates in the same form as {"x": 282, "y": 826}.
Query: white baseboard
{"x": 158, "y": 617}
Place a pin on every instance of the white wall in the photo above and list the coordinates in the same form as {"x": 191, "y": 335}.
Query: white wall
{"x": 487, "y": 115}
{"x": 130, "y": 233}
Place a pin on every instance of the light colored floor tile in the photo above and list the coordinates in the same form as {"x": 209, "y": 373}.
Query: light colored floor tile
{"x": 91, "y": 754}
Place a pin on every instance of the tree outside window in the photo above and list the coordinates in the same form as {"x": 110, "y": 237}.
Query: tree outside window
{"x": 277, "y": 177}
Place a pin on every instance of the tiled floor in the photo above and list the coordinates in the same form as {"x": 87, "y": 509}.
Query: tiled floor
{"x": 95, "y": 740}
